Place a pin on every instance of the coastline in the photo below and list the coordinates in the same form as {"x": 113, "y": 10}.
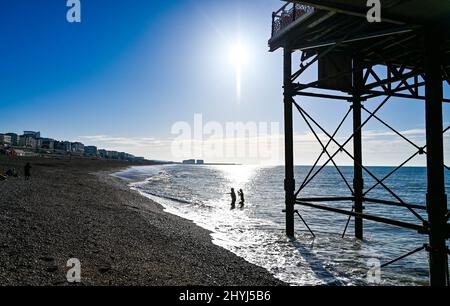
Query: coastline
{"x": 78, "y": 210}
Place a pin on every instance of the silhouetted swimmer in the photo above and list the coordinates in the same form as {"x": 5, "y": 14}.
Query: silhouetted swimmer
{"x": 27, "y": 170}
{"x": 233, "y": 198}
{"x": 242, "y": 196}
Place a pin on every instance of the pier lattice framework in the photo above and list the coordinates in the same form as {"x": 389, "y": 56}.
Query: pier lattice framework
{"x": 406, "y": 56}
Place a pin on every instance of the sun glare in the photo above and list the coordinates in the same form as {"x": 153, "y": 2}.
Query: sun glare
{"x": 238, "y": 57}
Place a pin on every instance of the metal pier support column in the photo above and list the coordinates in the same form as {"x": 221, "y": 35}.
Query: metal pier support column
{"x": 289, "y": 183}
{"x": 358, "y": 182}
{"x": 436, "y": 196}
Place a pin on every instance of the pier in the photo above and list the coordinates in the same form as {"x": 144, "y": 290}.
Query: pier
{"x": 407, "y": 56}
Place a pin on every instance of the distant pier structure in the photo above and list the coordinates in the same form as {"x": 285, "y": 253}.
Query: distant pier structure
{"x": 406, "y": 55}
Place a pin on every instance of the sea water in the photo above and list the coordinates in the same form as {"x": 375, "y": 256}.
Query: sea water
{"x": 257, "y": 231}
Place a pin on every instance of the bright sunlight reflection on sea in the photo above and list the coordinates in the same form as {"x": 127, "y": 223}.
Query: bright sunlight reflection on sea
{"x": 237, "y": 175}
{"x": 256, "y": 232}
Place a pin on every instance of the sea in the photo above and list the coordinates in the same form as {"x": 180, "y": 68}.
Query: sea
{"x": 256, "y": 232}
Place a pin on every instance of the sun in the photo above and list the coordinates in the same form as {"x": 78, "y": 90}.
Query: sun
{"x": 238, "y": 54}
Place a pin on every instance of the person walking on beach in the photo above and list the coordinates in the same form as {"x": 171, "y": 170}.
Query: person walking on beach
{"x": 27, "y": 170}
{"x": 233, "y": 198}
{"x": 242, "y": 196}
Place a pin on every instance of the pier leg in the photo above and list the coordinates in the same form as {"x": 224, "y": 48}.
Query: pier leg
{"x": 289, "y": 183}
{"x": 358, "y": 182}
{"x": 436, "y": 196}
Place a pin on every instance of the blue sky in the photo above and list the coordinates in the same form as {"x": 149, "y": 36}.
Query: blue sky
{"x": 131, "y": 69}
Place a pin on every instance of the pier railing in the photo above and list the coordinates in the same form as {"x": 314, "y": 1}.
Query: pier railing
{"x": 288, "y": 14}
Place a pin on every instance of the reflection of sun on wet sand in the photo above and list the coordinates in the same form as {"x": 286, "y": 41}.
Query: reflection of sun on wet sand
{"x": 121, "y": 238}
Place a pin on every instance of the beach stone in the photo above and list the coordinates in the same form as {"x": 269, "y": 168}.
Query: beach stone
{"x": 52, "y": 269}
{"x": 104, "y": 270}
{"x": 47, "y": 259}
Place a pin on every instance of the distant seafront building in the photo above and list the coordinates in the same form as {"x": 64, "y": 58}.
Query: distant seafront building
{"x": 31, "y": 144}
{"x": 193, "y": 162}
{"x": 117, "y": 155}
{"x": 63, "y": 146}
{"x": 189, "y": 162}
{"x": 112, "y": 154}
{"x": 28, "y": 142}
{"x": 77, "y": 147}
{"x": 46, "y": 143}
{"x": 91, "y": 150}
{"x": 32, "y": 134}
{"x": 14, "y": 138}
{"x": 102, "y": 153}
{"x": 126, "y": 156}
{"x": 5, "y": 139}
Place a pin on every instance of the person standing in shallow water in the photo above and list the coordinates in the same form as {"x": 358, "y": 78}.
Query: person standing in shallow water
{"x": 27, "y": 170}
{"x": 233, "y": 198}
{"x": 242, "y": 196}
